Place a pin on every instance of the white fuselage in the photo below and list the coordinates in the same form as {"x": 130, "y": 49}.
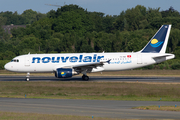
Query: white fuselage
{"x": 118, "y": 61}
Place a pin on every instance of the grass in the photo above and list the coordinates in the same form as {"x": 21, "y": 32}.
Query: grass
{"x": 91, "y": 90}
{"x": 162, "y": 108}
{"x": 36, "y": 116}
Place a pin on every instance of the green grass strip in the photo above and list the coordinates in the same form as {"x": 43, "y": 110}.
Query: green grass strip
{"x": 36, "y": 116}
{"x": 91, "y": 90}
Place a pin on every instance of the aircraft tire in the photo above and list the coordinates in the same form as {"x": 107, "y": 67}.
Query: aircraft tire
{"x": 27, "y": 79}
{"x": 85, "y": 77}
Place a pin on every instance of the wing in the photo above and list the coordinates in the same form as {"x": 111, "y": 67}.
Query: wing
{"x": 90, "y": 67}
{"x": 87, "y": 67}
{"x": 92, "y": 64}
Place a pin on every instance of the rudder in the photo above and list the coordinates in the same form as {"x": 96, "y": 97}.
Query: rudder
{"x": 158, "y": 42}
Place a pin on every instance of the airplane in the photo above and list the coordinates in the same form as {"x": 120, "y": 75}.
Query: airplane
{"x": 69, "y": 64}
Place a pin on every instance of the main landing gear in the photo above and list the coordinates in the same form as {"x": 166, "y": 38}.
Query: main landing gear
{"x": 85, "y": 77}
{"x": 27, "y": 76}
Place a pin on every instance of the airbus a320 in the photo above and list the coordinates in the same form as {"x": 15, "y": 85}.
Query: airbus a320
{"x": 67, "y": 65}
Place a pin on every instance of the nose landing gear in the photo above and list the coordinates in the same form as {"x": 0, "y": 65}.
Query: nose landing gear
{"x": 27, "y": 76}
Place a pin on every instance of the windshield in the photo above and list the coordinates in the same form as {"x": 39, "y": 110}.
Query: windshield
{"x": 14, "y": 60}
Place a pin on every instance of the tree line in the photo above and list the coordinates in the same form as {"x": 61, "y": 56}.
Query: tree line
{"x": 72, "y": 29}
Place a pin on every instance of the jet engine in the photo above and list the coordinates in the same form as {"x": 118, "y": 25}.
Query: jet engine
{"x": 65, "y": 72}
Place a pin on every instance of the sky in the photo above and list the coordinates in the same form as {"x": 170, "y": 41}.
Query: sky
{"x": 109, "y": 7}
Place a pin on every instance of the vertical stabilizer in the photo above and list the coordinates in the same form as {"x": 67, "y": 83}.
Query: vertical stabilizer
{"x": 158, "y": 42}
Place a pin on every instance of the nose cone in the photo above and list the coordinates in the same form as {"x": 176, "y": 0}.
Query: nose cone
{"x": 7, "y": 66}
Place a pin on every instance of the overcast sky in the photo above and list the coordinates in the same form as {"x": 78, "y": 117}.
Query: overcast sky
{"x": 111, "y": 7}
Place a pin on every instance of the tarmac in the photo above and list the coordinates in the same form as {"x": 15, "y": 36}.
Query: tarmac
{"x": 93, "y": 78}
{"x": 95, "y": 108}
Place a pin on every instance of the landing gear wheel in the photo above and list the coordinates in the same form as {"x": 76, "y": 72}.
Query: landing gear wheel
{"x": 27, "y": 76}
{"x": 85, "y": 77}
{"x": 27, "y": 79}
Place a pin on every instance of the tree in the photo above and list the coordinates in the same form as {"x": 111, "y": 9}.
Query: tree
{"x": 30, "y": 16}
{"x": 171, "y": 12}
{"x": 74, "y": 29}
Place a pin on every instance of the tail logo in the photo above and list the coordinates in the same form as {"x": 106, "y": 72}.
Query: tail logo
{"x": 63, "y": 74}
{"x": 156, "y": 43}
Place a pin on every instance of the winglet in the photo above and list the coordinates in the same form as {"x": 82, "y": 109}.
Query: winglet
{"x": 158, "y": 42}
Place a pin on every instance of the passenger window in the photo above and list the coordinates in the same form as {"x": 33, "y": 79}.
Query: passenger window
{"x": 17, "y": 60}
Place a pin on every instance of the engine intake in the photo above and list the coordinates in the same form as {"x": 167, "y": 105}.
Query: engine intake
{"x": 64, "y": 72}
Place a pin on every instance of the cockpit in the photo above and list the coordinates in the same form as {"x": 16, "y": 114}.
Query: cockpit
{"x": 15, "y": 60}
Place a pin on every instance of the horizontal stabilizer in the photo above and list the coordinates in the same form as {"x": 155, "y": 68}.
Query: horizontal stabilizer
{"x": 161, "y": 58}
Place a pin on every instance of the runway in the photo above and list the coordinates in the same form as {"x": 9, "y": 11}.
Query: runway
{"x": 96, "y": 108}
{"x": 94, "y": 78}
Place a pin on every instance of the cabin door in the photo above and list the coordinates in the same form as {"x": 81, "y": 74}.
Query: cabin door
{"x": 27, "y": 61}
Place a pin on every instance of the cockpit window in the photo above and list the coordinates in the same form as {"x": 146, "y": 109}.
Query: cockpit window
{"x": 14, "y": 60}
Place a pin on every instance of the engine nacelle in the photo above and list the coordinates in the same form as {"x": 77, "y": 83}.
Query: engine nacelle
{"x": 64, "y": 72}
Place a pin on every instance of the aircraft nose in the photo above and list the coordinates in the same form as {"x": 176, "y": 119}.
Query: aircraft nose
{"x": 7, "y": 66}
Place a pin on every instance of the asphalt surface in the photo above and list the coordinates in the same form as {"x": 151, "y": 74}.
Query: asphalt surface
{"x": 94, "y": 78}
{"x": 95, "y": 108}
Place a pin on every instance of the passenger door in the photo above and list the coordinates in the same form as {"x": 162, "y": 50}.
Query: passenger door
{"x": 27, "y": 61}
